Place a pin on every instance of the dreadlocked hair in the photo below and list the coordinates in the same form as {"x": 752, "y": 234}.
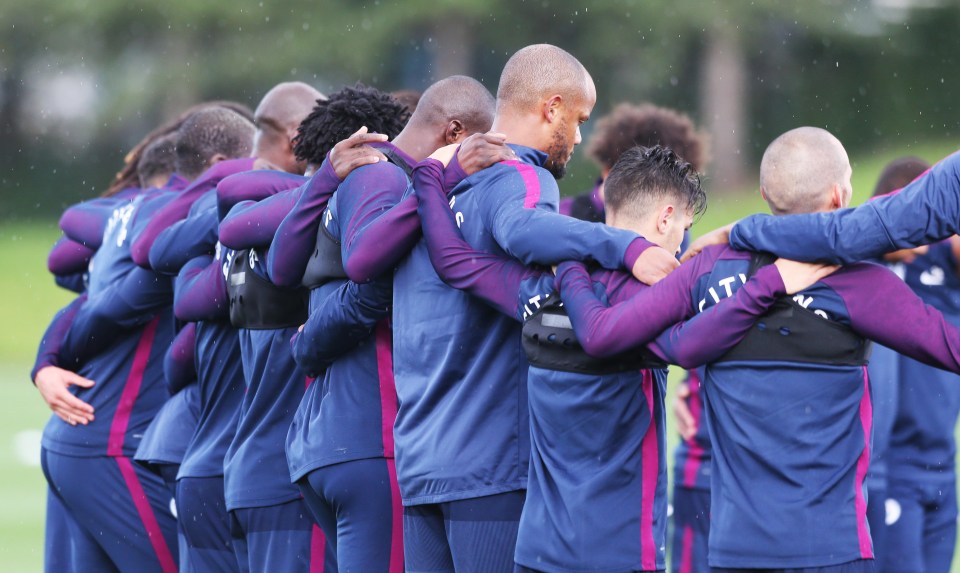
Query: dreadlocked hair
{"x": 341, "y": 114}
{"x": 127, "y": 177}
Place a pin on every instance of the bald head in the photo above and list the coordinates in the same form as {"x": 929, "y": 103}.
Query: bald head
{"x": 457, "y": 98}
{"x": 803, "y": 170}
{"x": 277, "y": 117}
{"x": 538, "y": 72}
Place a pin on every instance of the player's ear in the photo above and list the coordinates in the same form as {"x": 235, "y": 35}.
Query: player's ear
{"x": 551, "y": 108}
{"x": 454, "y": 132}
{"x": 217, "y": 158}
{"x": 838, "y": 199}
{"x": 665, "y": 217}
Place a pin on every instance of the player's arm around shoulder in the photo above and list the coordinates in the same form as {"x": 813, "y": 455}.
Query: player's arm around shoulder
{"x": 883, "y": 308}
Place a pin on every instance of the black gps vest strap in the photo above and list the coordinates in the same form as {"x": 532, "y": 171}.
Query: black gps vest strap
{"x": 790, "y": 333}
{"x": 326, "y": 262}
{"x": 395, "y": 158}
{"x": 258, "y": 304}
{"x": 549, "y": 342}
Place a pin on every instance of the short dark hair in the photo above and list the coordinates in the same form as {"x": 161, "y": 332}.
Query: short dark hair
{"x": 629, "y": 125}
{"x": 208, "y": 132}
{"x": 899, "y": 173}
{"x": 158, "y": 159}
{"x": 341, "y": 114}
{"x": 127, "y": 176}
{"x": 644, "y": 175}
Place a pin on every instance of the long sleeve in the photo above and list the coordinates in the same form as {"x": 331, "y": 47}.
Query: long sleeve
{"x": 884, "y": 309}
{"x": 68, "y": 257}
{"x": 48, "y": 353}
{"x": 85, "y": 222}
{"x": 254, "y": 224}
{"x": 179, "y": 366}
{"x": 923, "y": 212}
{"x": 520, "y": 209}
{"x": 607, "y": 331}
{"x": 130, "y": 302}
{"x": 201, "y": 291}
{"x": 180, "y": 207}
{"x": 191, "y": 237}
{"x": 296, "y": 236}
{"x": 499, "y": 281}
{"x": 253, "y": 186}
{"x": 345, "y": 319}
{"x": 710, "y": 334}
{"x": 374, "y": 248}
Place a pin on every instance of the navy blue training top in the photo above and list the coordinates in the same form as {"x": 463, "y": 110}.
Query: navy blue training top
{"x": 462, "y": 428}
{"x": 923, "y": 444}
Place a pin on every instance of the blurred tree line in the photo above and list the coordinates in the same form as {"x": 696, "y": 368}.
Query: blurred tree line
{"x": 82, "y": 80}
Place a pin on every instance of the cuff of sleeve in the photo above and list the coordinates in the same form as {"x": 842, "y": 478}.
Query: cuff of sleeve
{"x": 566, "y": 270}
{"x": 453, "y": 175}
{"x": 429, "y": 169}
{"x": 634, "y": 250}
{"x": 40, "y": 365}
{"x": 769, "y": 278}
{"x": 735, "y": 239}
{"x": 326, "y": 175}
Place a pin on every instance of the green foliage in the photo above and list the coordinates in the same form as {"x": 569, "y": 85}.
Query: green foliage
{"x": 833, "y": 63}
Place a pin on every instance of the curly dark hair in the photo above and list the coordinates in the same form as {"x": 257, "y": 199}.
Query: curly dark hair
{"x": 643, "y": 175}
{"x": 344, "y": 112}
{"x": 630, "y": 125}
{"x": 127, "y": 176}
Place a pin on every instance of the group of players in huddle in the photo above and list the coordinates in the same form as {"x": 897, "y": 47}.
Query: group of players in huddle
{"x": 350, "y": 333}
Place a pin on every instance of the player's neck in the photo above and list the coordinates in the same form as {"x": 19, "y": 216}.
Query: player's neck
{"x": 646, "y": 229}
{"x": 520, "y": 129}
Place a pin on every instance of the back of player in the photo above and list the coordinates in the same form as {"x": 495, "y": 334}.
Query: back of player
{"x": 791, "y": 423}
{"x": 921, "y": 500}
{"x": 270, "y": 526}
{"x": 129, "y": 391}
{"x": 462, "y": 455}
{"x": 596, "y": 496}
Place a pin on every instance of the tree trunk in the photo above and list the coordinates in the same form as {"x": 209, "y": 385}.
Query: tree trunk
{"x": 723, "y": 107}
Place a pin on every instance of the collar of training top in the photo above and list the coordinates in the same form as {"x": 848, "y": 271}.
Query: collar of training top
{"x": 529, "y": 154}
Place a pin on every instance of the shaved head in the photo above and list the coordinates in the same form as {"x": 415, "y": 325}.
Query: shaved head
{"x": 456, "y": 98}
{"x": 277, "y": 117}
{"x": 539, "y": 71}
{"x": 285, "y": 106}
{"x": 800, "y": 169}
{"x": 545, "y": 94}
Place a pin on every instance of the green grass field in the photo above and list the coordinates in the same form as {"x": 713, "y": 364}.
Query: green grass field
{"x": 30, "y": 299}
